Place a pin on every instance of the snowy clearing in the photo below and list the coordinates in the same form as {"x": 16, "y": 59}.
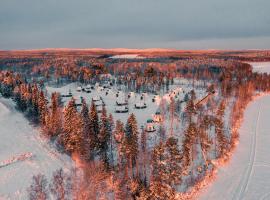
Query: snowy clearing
{"x": 247, "y": 175}
{"x": 127, "y": 56}
{"x": 23, "y": 153}
{"x": 261, "y": 67}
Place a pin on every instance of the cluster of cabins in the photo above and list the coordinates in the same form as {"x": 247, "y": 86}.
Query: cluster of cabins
{"x": 122, "y": 103}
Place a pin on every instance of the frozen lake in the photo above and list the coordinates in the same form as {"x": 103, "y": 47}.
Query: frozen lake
{"x": 261, "y": 67}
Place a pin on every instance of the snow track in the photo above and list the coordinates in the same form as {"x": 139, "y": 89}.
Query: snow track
{"x": 247, "y": 176}
{"x": 245, "y": 184}
{"x": 23, "y": 153}
{"x": 15, "y": 159}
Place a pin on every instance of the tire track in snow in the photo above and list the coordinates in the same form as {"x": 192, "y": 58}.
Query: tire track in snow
{"x": 244, "y": 184}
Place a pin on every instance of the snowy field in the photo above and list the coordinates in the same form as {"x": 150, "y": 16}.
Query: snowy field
{"x": 261, "y": 67}
{"x": 127, "y": 56}
{"x": 247, "y": 176}
{"x": 23, "y": 153}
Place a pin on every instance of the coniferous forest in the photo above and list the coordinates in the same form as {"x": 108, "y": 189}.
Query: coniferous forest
{"x": 152, "y": 128}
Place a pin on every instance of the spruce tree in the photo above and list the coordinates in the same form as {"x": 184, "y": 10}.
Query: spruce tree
{"x": 38, "y": 189}
{"x": 87, "y": 133}
{"x": 159, "y": 187}
{"x": 94, "y": 125}
{"x": 72, "y": 128}
{"x": 174, "y": 159}
{"x": 131, "y": 139}
{"x": 104, "y": 137}
{"x": 188, "y": 146}
{"x": 42, "y": 107}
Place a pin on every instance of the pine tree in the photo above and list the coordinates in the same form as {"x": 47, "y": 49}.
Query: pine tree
{"x": 42, "y": 107}
{"x": 60, "y": 186}
{"x": 38, "y": 189}
{"x": 112, "y": 143}
{"x": 188, "y": 146}
{"x": 53, "y": 119}
{"x": 190, "y": 109}
{"x": 88, "y": 149}
{"x": 174, "y": 161}
{"x": 72, "y": 129}
{"x": 131, "y": 139}
{"x": 94, "y": 123}
{"x": 219, "y": 128}
{"x": 104, "y": 137}
{"x": 159, "y": 187}
{"x": 119, "y": 137}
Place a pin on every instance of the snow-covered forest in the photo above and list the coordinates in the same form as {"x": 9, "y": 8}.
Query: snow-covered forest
{"x": 152, "y": 127}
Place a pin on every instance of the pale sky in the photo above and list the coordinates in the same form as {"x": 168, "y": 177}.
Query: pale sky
{"x": 180, "y": 24}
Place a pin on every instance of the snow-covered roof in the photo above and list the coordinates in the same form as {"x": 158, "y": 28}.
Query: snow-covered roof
{"x": 121, "y": 108}
{"x": 140, "y": 104}
{"x": 96, "y": 98}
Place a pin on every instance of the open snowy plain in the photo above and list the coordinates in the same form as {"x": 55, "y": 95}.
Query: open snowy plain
{"x": 23, "y": 153}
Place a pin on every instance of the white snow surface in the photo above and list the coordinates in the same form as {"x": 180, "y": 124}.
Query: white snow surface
{"x": 247, "y": 176}
{"x": 127, "y": 56}
{"x": 261, "y": 67}
{"x": 23, "y": 153}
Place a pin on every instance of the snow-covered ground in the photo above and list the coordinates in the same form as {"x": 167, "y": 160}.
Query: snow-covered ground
{"x": 261, "y": 67}
{"x": 127, "y": 56}
{"x": 23, "y": 153}
{"x": 142, "y": 115}
{"x": 247, "y": 176}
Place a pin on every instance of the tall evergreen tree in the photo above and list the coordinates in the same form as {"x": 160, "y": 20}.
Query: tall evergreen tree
{"x": 42, "y": 107}
{"x": 72, "y": 128}
{"x": 88, "y": 149}
{"x": 38, "y": 189}
{"x": 174, "y": 159}
{"x": 131, "y": 139}
{"x": 94, "y": 125}
{"x": 159, "y": 187}
{"x": 188, "y": 146}
{"x": 60, "y": 186}
{"x": 104, "y": 137}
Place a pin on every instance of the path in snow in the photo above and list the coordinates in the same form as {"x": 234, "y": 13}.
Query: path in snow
{"x": 19, "y": 140}
{"x": 247, "y": 176}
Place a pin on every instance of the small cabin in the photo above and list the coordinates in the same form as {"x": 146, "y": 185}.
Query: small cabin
{"x": 78, "y": 102}
{"x": 121, "y": 109}
{"x": 150, "y": 126}
{"x": 87, "y": 89}
{"x": 69, "y": 94}
{"x": 99, "y": 103}
{"x": 121, "y": 102}
{"x": 140, "y": 105}
{"x": 96, "y": 98}
{"x": 157, "y": 117}
{"x": 79, "y": 89}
